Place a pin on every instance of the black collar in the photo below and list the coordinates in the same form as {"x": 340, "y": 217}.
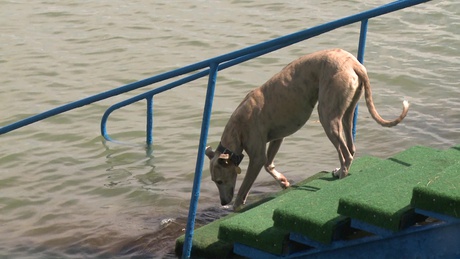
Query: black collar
{"x": 236, "y": 159}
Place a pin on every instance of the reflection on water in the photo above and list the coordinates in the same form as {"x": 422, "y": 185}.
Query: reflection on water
{"x": 66, "y": 193}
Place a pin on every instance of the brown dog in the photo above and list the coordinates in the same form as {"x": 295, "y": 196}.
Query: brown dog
{"x": 333, "y": 78}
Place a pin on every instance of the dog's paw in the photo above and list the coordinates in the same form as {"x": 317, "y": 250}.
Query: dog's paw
{"x": 283, "y": 182}
{"x": 336, "y": 173}
{"x": 238, "y": 208}
{"x": 238, "y": 204}
{"x": 287, "y": 185}
{"x": 227, "y": 207}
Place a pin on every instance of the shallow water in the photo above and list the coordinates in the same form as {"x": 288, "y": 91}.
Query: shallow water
{"x": 67, "y": 193}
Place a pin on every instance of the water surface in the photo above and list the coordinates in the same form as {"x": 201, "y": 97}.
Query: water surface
{"x": 67, "y": 193}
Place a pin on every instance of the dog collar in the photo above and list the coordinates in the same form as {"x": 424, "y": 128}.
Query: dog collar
{"x": 236, "y": 159}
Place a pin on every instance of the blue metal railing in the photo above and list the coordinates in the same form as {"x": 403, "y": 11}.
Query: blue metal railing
{"x": 211, "y": 67}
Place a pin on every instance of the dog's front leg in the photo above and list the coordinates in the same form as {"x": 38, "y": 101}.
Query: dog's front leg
{"x": 254, "y": 167}
{"x": 273, "y": 148}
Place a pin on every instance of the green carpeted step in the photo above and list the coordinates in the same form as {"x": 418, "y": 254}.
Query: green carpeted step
{"x": 255, "y": 228}
{"x": 206, "y": 243}
{"x": 440, "y": 194}
{"x": 316, "y": 216}
{"x": 310, "y": 207}
{"x": 386, "y": 203}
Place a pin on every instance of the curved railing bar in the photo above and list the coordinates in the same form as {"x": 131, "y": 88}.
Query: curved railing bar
{"x": 151, "y": 93}
{"x": 143, "y": 96}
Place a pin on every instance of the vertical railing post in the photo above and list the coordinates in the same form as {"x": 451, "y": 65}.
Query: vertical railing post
{"x": 149, "y": 126}
{"x": 362, "y": 40}
{"x": 361, "y": 49}
{"x": 187, "y": 249}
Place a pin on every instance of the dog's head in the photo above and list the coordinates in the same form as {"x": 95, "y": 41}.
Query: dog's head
{"x": 223, "y": 173}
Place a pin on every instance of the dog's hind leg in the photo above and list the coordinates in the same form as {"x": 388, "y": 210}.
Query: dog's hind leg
{"x": 331, "y": 117}
{"x": 347, "y": 122}
{"x": 269, "y": 166}
{"x": 333, "y": 129}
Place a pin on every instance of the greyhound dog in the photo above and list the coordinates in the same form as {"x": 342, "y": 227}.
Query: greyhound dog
{"x": 333, "y": 78}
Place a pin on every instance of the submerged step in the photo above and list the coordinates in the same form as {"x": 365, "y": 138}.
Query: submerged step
{"x": 206, "y": 242}
{"x": 386, "y": 203}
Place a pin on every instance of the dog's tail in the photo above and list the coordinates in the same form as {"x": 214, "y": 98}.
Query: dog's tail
{"x": 361, "y": 72}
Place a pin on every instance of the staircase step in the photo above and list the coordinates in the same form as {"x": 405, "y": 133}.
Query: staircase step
{"x": 206, "y": 243}
{"x": 255, "y": 228}
{"x": 440, "y": 193}
{"x": 386, "y": 203}
{"x": 316, "y": 217}
{"x": 320, "y": 209}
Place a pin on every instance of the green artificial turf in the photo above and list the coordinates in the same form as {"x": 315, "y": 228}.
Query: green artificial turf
{"x": 386, "y": 203}
{"x": 440, "y": 194}
{"x": 206, "y": 243}
{"x": 317, "y": 217}
{"x": 376, "y": 191}
{"x": 254, "y": 227}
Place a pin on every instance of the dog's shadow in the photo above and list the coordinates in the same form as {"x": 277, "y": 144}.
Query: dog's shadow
{"x": 321, "y": 176}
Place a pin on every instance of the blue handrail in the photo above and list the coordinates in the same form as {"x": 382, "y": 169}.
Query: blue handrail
{"x": 211, "y": 67}
{"x": 361, "y": 48}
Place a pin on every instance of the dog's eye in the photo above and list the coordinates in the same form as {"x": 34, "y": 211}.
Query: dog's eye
{"x": 219, "y": 182}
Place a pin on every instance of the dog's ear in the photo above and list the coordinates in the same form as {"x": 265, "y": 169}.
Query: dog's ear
{"x": 209, "y": 153}
{"x": 224, "y": 156}
{"x": 224, "y": 160}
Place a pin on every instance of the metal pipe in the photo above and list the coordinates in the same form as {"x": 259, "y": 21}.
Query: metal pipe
{"x": 149, "y": 125}
{"x": 187, "y": 248}
{"x": 361, "y": 50}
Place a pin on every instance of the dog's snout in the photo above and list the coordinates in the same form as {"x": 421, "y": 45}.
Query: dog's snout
{"x": 226, "y": 196}
{"x": 225, "y": 201}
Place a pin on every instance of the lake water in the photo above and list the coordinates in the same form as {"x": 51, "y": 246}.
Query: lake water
{"x": 67, "y": 193}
